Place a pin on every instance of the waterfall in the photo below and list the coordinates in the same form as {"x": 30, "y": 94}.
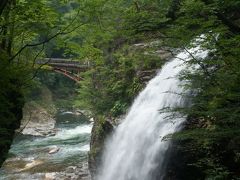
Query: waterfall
{"x": 137, "y": 149}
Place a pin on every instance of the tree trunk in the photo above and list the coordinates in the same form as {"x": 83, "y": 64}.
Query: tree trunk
{"x": 11, "y": 29}
{"x": 3, "y": 4}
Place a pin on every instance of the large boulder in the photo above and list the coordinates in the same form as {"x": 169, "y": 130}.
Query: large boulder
{"x": 38, "y": 114}
{"x": 102, "y": 128}
{"x": 37, "y": 121}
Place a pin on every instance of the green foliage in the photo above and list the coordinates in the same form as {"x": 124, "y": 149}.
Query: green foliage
{"x": 105, "y": 40}
{"x": 25, "y": 27}
{"x": 102, "y": 33}
{"x": 215, "y": 113}
{"x": 109, "y": 92}
{"x": 11, "y": 102}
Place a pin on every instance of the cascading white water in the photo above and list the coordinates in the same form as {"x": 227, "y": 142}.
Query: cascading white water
{"x": 137, "y": 147}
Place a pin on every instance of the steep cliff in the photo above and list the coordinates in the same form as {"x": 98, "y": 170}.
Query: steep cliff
{"x": 10, "y": 120}
{"x": 38, "y": 114}
{"x": 102, "y": 129}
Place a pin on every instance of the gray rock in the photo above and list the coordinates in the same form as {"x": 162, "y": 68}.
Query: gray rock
{"x": 101, "y": 129}
{"x": 54, "y": 150}
{"x": 37, "y": 121}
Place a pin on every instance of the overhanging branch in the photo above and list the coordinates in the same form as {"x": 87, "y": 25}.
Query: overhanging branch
{"x": 61, "y": 32}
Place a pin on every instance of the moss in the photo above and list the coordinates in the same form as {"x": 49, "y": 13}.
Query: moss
{"x": 101, "y": 129}
{"x": 100, "y": 126}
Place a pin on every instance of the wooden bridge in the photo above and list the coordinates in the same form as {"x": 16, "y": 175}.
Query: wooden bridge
{"x": 68, "y": 67}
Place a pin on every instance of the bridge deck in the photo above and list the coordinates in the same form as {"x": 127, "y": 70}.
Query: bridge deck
{"x": 64, "y": 63}
{"x": 68, "y": 67}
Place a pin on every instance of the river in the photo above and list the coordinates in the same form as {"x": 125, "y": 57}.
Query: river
{"x": 30, "y": 157}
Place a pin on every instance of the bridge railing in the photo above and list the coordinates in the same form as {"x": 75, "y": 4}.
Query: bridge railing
{"x": 63, "y": 62}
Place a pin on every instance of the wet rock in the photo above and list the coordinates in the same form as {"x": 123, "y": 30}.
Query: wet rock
{"x": 74, "y": 173}
{"x": 71, "y": 169}
{"x": 54, "y": 150}
{"x": 50, "y": 176}
{"x": 14, "y": 164}
{"x": 32, "y": 164}
{"x": 146, "y": 75}
{"x": 101, "y": 129}
{"x": 85, "y": 113}
{"x": 38, "y": 116}
{"x": 37, "y": 121}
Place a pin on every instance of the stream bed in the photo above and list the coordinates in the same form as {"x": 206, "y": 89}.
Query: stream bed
{"x": 62, "y": 156}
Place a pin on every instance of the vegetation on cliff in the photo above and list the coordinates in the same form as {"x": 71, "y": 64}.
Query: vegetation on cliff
{"x": 213, "y": 133}
{"x": 121, "y": 39}
{"x": 111, "y": 84}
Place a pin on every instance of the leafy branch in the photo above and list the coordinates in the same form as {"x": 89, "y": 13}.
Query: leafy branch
{"x": 64, "y": 31}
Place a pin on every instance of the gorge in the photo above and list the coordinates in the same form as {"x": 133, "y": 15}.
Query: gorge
{"x": 159, "y": 105}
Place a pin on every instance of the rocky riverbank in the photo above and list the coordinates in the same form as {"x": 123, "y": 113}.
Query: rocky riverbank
{"x": 37, "y": 121}
{"x": 60, "y": 156}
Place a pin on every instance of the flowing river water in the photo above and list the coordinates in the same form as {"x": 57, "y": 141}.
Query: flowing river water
{"x": 30, "y": 158}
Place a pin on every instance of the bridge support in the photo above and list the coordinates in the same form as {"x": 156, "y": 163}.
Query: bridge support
{"x": 68, "y": 74}
{"x": 68, "y": 67}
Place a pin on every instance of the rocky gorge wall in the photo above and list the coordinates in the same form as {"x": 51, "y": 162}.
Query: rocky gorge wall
{"x": 38, "y": 115}
{"x": 102, "y": 128}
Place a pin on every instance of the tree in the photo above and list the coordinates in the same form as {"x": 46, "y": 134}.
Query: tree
{"x": 214, "y": 116}
{"x": 25, "y": 28}
{"x": 3, "y": 4}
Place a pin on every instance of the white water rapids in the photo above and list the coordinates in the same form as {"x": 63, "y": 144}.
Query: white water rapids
{"x": 137, "y": 150}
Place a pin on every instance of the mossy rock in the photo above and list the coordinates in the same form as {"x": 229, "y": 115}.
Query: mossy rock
{"x": 102, "y": 128}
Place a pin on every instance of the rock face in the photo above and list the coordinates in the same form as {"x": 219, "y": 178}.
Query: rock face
{"x": 101, "y": 130}
{"x": 70, "y": 173}
{"x": 38, "y": 115}
{"x": 31, "y": 165}
{"x": 146, "y": 75}
{"x": 37, "y": 121}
